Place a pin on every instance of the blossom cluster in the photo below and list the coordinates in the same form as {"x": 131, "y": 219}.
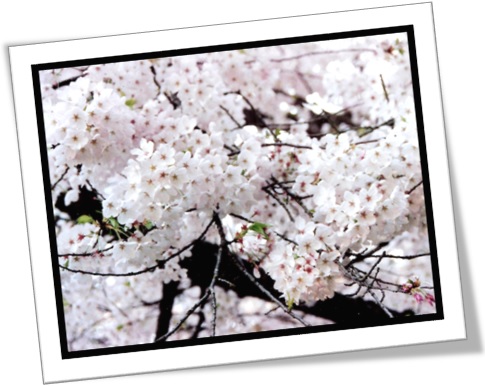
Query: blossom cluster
{"x": 308, "y": 153}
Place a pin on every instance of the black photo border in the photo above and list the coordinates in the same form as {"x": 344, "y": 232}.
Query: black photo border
{"x": 36, "y": 68}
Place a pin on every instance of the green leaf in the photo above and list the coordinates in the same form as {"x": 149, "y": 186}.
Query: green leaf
{"x": 85, "y": 219}
{"x": 260, "y": 229}
{"x": 130, "y": 103}
{"x": 66, "y": 264}
{"x": 290, "y": 303}
{"x": 260, "y": 224}
{"x": 148, "y": 224}
{"x": 119, "y": 327}
{"x": 361, "y": 131}
{"x": 114, "y": 223}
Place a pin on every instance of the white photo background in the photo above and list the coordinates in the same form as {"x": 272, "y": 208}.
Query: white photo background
{"x": 249, "y": 190}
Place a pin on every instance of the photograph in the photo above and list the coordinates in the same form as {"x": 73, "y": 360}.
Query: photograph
{"x": 238, "y": 191}
{"x": 216, "y": 193}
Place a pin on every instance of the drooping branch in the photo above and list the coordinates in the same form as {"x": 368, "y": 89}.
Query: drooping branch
{"x": 267, "y": 293}
{"x": 325, "y": 52}
{"x": 362, "y": 282}
{"x": 384, "y": 88}
{"x": 60, "y": 178}
{"x": 160, "y": 263}
{"x": 287, "y": 145}
{"x": 365, "y": 254}
{"x": 200, "y": 303}
{"x": 209, "y": 293}
{"x": 271, "y": 193}
{"x": 245, "y": 272}
{"x": 361, "y": 258}
{"x": 339, "y": 308}
{"x": 283, "y": 237}
{"x": 256, "y": 115}
{"x": 109, "y": 274}
{"x": 294, "y": 197}
{"x": 222, "y": 250}
{"x": 93, "y": 253}
{"x": 231, "y": 117}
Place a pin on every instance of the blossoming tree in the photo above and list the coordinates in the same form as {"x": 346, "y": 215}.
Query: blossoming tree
{"x": 236, "y": 191}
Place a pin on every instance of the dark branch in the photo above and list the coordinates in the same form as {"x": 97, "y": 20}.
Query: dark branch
{"x": 94, "y": 253}
{"x": 361, "y": 258}
{"x": 160, "y": 263}
{"x": 414, "y": 187}
{"x": 271, "y": 193}
{"x": 60, "y": 178}
{"x": 238, "y": 125}
{"x": 287, "y": 144}
{"x": 326, "y": 52}
{"x": 169, "y": 293}
{"x": 68, "y": 81}
{"x": 339, "y": 308}
{"x": 209, "y": 291}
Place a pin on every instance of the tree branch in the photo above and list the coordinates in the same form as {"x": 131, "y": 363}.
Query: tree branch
{"x": 60, "y": 178}
{"x": 339, "y": 308}
{"x": 169, "y": 293}
{"x": 326, "y": 52}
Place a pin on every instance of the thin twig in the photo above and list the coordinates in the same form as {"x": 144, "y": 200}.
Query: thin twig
{"x": 384, "y": 88}
{"x": 326, "y": 52}
{"x": 255, "y": 111}
{"x": 68, "y": 81}
{"x": 222, "y": 249}
{"x": 185, "y": 317}
{"x": 362, "y": 284}
{"x": 385, "y": 255}
{"x": 414, "y": 187}
{"x": 372, "y": 269}
{"x": 159, "y": 87}
{"x": 278, "y": 183}
{"x": 287, "y": 144}
{"x": 366, "y": 142}
{"x": 243, "y": 270}
{"x": 231, "y": 116}
{"x": 107, "y": 274}
{"x": 296, "y": 198}
{"x": 363, "y": 255}
{"x": 97, "y": 252}
{"x": 93, "y": 189}
{"x": 60, "y": 178}
{"x": 160, "y": 263}
{"x": 241, "y": 217}
{"x": 283, "y": 237}
{"x": 271, "y": 194}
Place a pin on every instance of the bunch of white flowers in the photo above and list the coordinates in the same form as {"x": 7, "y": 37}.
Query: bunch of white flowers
{"x": 308, "y": 153}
